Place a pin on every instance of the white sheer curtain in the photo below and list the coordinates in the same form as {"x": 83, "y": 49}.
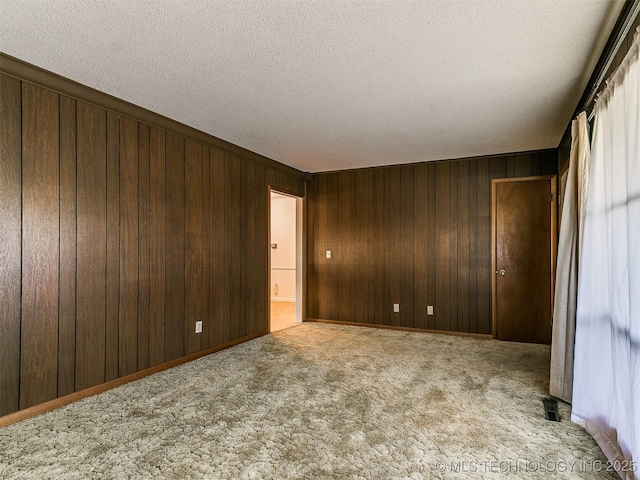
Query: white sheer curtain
{"x": 566, "y": 292}
{"x": 606, "y": 388}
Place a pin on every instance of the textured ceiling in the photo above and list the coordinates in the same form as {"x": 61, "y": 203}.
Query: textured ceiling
{"x": 331, "y": 84}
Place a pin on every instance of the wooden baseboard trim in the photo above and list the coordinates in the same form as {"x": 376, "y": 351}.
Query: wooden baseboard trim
{"x": 103, "y": 387}
{"x": 483, "y": 336}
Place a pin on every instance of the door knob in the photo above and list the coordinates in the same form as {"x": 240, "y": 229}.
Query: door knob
{"x": 502, "y": 272}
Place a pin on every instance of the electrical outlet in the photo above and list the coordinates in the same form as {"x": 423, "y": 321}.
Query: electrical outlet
{"x": 396, "y": 307}
{"x": 199, "y": 327}
{"x": 429, "y": 309}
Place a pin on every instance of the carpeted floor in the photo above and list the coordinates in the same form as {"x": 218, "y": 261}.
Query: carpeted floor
{"x": 318, "y": 401}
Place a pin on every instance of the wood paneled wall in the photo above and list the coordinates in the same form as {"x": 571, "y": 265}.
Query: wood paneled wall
{"x": 117, "y": 236}
{"x": 415, "y": 235}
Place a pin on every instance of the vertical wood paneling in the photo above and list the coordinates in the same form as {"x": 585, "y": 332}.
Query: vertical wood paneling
{"x": 91, "y": 249}
{"x": 218, "y": 284}
{"x": 523, "y": 166}
{"x": 261, "y": 246}
{"x": 157, "y": 246}
{"x": 321, "y": 263}
{"x": 361, "y": 262}
{"x": 333, "y": 244}
{"x": 391, "y": 203}
{"x": 344, "y": 249}
{"x": 193, "y": 245}
{"x": 250, "y": 280}
{"x": 233, "y": 221}
{"x": 144, "y": 267}
{"x": 129, "y": 257}
{"x": 174, "y": 244}
{"x": 421, "y": 242}
{"x": 310, "y": 217}
{"x": 406, "y": 231}
{"x": 205, "y": 236}
{"x": 244, "y": 295}
{"x": 431, "y": 245}
{"x": 67, "y": 302}
{"x": 379, "y": 230}
{"x": 113, "y": 247}
{"x": 443, "y": 247}
{"x": 370, "y": 261}
{"x": 416, "y": 235}
{"x": 10, "y": 241}
{"x": 483, "y": 245}
{"x": 109, "y": 253}
{"x": 462, "y": 254}
{"x": 40, "y": 246}
{"x": 473, "y": 249}
{"x": 453, "y": 246}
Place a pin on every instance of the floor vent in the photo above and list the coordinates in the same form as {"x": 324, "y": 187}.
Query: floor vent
{"x": 551, "y": 409}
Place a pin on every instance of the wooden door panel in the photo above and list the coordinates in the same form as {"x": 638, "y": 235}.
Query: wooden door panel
{"x": 523, "y": 258}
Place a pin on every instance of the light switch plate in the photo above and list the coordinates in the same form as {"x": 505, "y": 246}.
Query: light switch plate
{"x": 199, "y": 327}
{"x": 429, "y": 309}
{"x": 328, "y": 253}
{"x": 396, "y": 307}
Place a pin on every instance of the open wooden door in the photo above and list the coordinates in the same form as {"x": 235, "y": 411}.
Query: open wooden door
{"x": 523, "y": 257}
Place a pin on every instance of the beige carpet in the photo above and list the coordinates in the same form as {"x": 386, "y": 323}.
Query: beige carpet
{"x": 318, "y": 401}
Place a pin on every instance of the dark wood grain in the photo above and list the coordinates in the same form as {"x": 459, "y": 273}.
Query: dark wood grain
{"x": 92, "y": 245}
{"x": 218, "y": 285}
{"x": 10, "y": 241}
{"x": 523, "y": 225}
{"x": 261, "y": 246}
{"x": 321, "y": 263}
{"x": 421, "y": 241}
{"x": 483, "y": 245}
{"x": 523, "y": 166}
{"x": 463, "y": 237}
{"x": 233, "y": 220}
{"x": 244, "y": 295}
{"x": 473, "y": 247}
{"x": 379, "y": 232}
{"x": 144, "y": 266}
{"x": 314, "y": 247}
{"x": 205, "y": 238}
{"x": 361, "y": 270}
{"x": 67, "y": 301}
{"x": 40, "y": 246}
{"x": 344, "y": 250}
{"x": 129, "y": 258}
{"x": 392, "y": 245}
{"x": 112, "y": 322}
{"x": 251, "y": 274}
{"x": 333, "y": 244}
{"x": 193, "y": 245}
{"x": 432, "y": 271}
{"x": 157, "y": 246}
{"x": 175, "y": 236}
{"x": 417, "y": 235}
{"x": 443, "y": 247}
{"x": 407, "y": 253}
{"x": 453, "y": 246}
{"x": 95, "y": 288}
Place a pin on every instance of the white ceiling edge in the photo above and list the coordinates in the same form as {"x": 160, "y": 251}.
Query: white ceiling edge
{"x": 331, "y": 85}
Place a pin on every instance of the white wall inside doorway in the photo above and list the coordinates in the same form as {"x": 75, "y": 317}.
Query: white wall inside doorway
{"x": 283, "y": 257}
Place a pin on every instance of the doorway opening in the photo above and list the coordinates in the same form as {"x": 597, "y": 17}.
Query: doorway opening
{"x": 285, "y": 260}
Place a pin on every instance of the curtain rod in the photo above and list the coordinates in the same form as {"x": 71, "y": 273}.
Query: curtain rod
{"x": 622, "y": 34}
